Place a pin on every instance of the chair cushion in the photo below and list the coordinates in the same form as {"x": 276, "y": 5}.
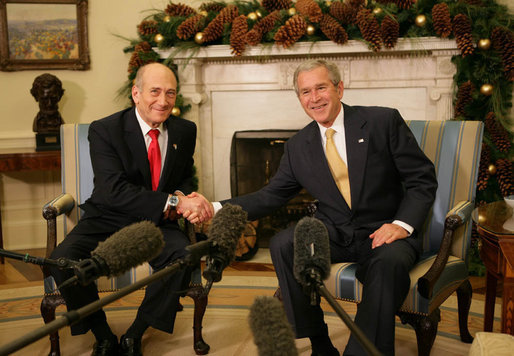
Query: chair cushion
{"x": 343, "y": 283}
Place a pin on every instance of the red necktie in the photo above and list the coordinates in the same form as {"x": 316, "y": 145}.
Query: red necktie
{"x": 154, "y": 157}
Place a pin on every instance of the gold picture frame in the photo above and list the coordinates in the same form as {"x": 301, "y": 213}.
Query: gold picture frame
{"x": 43, "y": 34}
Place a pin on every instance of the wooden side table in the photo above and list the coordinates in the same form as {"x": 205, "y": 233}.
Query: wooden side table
{"x": 495, "y": 227}
{"x": 29, "y": 160}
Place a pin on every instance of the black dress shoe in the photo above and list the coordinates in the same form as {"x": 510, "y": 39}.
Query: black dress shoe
{"x": 130, "y": 347}
{"x": 108, "y": 347}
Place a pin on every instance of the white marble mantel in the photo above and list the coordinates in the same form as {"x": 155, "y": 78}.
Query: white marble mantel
{"x": 230, "y": 94}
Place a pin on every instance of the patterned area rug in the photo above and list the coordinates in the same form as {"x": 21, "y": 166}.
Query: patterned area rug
{"x": 225, "y": 325}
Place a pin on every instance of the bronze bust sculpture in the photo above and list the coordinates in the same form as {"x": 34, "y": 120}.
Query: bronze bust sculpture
{"x": 47, "y": 90}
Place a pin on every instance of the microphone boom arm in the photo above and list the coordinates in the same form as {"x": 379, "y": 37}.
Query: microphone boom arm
{"x": 357, "y": 332}
{"x": 41, "y": 261}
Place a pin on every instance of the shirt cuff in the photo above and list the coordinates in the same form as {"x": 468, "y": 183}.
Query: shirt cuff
{"x": 406, "y": 226}
{"x": 217, "y": 206}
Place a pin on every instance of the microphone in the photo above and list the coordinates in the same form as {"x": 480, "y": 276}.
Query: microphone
{"x": 226, "y": 228}
{"x": 312, "y": 266}
{"x": 311, "y": 262}
{"x": 127, "y": 248}
{"x": 272, "y": 333}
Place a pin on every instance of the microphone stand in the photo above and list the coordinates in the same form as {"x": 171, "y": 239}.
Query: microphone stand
{"x": 370, "y": 348}
{"x": 41, "y": 261}
{"x": 197, "y": 251}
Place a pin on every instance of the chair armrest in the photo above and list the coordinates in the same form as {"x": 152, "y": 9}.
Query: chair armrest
{"x": 456, "y": 217}
{"x": 63, "y": 204}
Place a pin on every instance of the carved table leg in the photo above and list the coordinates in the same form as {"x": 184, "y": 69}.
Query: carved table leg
{"x": 490, "y": 296}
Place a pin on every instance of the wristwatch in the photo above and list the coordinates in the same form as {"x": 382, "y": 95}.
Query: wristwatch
{"x": 172, "y": 201}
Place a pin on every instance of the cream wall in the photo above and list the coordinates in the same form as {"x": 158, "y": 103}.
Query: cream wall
{"x": 89, "y": 95}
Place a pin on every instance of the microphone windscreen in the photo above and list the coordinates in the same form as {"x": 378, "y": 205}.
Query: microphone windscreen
{"x": 272, "y": 333}
{"x": 226, "y": 228}
{"x": 129, "y": 247}
{"x": 311, "y": 249}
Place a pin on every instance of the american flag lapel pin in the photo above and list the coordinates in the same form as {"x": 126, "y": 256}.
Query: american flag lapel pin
{"x": 174, "y": 146}
{"x": 361, "y": 140}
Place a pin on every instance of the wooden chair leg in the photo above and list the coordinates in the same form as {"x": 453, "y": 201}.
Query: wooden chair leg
{"x": 464, "y": 294}
{"x": 48, "y": 306}
{"x": 425, "y": 327}
{"x": 200, "y": 299}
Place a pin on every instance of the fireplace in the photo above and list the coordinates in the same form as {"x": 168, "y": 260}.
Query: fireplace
{"x": 254, "y": 159}
{"x": 254, "y": 92}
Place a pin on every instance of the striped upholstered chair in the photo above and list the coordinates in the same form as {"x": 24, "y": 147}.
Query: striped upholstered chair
{"x": 454, "y": 147}
{"x": 77, "y": 185}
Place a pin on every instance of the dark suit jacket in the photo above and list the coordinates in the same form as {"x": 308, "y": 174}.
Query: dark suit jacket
{"x": 390, "y": 176}
{"x": 122, "y": 189}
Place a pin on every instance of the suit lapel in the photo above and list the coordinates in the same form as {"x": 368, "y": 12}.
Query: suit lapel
{"x": 174, "y": 138}
{"x": 136, "y": 143}
{"x": 357, "y": 141}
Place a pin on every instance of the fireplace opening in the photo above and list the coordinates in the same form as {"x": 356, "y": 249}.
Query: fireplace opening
{"x": 254, "y": 159}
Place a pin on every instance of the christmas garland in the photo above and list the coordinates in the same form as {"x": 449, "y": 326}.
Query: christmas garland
{"x": 482, "y": 29}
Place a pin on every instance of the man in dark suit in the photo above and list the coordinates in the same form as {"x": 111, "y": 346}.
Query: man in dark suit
{"x": 131, "y": 186}
{"x": 392, "y": 186}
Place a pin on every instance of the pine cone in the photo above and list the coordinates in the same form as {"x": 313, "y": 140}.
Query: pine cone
{"x": 179, "y": 10}
{"x": 254, "y": 36}
{"x": 147, "y": 28}
{"x": 137, "y": 60}
{"x": 503, "y": 42}
{"x": 390, "y": 31}
{"x": 462, "y": 32}
{"x": 310, "y": 9}
{"x": 189, "y": 27}
{"x": 441, "y": 19}
{"x": 212, "y": 6}
{"x": 272, "y": 5}
{"x": 483, "y": 168}
{"x": 238, "y": 35}
{"x": 497, "y": 132}
{"x": 463, "y": 97}
{"x": 402, "y": 4}
{"x": 333, "y": 29}
{"x": 343, "y": 12}
{"x": 214, "y": 29}
{"x": 504, "y": 176}
{"x": 369, "y": 27}
{"x": 292, "y": 31}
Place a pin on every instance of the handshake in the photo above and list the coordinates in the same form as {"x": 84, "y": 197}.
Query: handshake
{"x": 193, "y": 207}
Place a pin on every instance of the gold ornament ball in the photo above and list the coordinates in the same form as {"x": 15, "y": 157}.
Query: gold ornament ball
{"x": 421, "y": 20}
{"x": 167, "y": 18}
{"x": 310, "y": 30}
{"x": 158, "y": 38}
{"x": 328, "y": 3}
{"x": 291, "y": 11}
{"x": 484, "y": 44}
{"x": 486, "y": 89}
{"x": 204, "y": 13}
{"x": 252, "y": 16}
{"x": 175, "y": 111}
{"x": 199, "y": 38}
{"x": 377, "y": 10}
{"x": 258, "y": 13}
{"x": 491, "y": 169}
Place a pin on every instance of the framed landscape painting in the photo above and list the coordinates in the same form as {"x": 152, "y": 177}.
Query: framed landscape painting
{"x": 43, "y": 34}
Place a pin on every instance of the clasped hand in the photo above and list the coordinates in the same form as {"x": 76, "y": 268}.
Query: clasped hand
{"x": 195, "y": 208}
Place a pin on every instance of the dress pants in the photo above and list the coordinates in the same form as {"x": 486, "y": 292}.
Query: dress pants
{"x": 160, "y": 302}
{"x": 384, "y": 272}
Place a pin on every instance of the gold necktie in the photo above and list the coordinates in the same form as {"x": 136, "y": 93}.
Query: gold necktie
{"x": 338, "y": 167}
